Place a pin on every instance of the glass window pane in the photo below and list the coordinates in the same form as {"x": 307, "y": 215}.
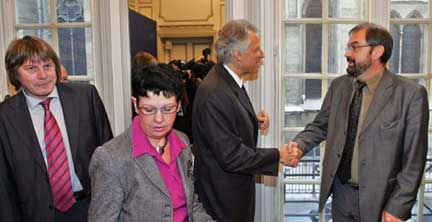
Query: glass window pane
{"x": 75, "y": 47}
{"x": 427, "y": 207}
{"x": 410, "y": 9}
{"x": 303, "y": 44}
{"x": 303, "y": 9}
{"x": 347, "y": 9}
{"x": 410, "y": 48}
{"x": 302, "y": 101}
{"x": 44, "y": 34}
{"x": 428, "y": 168}
{"x": 338, "y": 39}
{"x": 32, "y": 11}
{"x": 73, "y": 11}
{"x": 300, "y": 201}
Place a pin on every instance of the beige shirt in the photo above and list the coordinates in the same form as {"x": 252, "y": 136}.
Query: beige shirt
{"x": 368, "y": 93}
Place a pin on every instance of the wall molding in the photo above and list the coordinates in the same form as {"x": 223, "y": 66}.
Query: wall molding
{"x": 174, "y": 31}
{"x": 165, "y": 18}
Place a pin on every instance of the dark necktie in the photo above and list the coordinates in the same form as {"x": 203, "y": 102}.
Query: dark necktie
{"x": 245, "y": 94}
{"x": 344, "y": 171}
{"x": 58, "y": 167}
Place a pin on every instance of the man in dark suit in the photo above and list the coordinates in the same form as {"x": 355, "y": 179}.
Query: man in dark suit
{"x": 48, "y": 132}
{"x": 225, "y": 129}
{"x": 374, "y": 160}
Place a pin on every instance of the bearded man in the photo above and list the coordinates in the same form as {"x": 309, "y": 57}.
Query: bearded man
{"x": 375, "y": 124}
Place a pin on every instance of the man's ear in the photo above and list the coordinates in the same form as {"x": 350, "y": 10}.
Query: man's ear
{"x": 377, "y": 52}
{"x": 237, "y": 55}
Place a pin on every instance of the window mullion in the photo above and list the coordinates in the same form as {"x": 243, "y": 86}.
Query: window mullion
{"x": 53, "y": 27}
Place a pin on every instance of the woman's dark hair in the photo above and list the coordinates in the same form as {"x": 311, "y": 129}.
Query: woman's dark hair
{"x": 157, "y": 79}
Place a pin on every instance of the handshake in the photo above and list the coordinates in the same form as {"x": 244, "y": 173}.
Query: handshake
{"x": 290, "y": 154}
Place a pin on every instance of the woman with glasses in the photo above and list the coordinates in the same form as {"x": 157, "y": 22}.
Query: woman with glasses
{"x": 145, "y": 174}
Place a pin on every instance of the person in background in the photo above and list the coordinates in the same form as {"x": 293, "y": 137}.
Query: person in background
{"x": 48, "y": 132}
{"x": 145, "y": 173}
{"x": 64, "y": 75}
{"x": 225, "y": 129}
{"x": 375, "y": 124}
{"x": 143, "y": 58}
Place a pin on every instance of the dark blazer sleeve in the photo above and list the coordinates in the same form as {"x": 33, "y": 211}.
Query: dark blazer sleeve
{"x": 103, "y": 127}
{"x": 414, "y": 151}
{"x": 9, "y": 208}
{"x": 218, "y": 117}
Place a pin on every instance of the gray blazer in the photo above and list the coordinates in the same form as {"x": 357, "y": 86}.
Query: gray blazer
{"x": 393, "y": 143}
{"x": 128, "y": 189}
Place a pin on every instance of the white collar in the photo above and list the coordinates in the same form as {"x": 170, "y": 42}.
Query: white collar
{"x": 236, "y": 78}
{"x": 32, "y": 101}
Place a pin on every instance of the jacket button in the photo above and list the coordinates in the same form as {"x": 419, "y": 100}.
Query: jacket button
{"x": 339, "y": 155}
{"x": 331, "y": 175}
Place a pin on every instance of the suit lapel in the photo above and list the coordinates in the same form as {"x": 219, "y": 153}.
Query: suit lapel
{"x": 346, "y": 97}
{"x": 241, "y": 96}
{"x": 23, "y": 125}
{"x": 381, "y": 97}
{"x": 69, "y": 102}
{"x": 148, "y": 166}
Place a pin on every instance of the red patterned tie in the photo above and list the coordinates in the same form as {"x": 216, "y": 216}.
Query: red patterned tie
{"x": 58, "y": 167}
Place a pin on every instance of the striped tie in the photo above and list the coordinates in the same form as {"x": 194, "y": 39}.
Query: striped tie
{"x": 58, "y": 167}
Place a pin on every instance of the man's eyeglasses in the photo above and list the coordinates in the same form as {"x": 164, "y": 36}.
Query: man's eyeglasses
{"x": 151, "y": 110}
{"x": 354, "y": 47}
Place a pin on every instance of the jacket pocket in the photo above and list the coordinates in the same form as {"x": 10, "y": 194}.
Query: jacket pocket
{"x": 389, "y": 125}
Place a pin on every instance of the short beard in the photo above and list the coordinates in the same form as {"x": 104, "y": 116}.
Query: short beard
{"x": 358, "y": 69}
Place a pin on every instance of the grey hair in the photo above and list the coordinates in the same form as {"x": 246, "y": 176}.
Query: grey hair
{"x": 233, "y": 35}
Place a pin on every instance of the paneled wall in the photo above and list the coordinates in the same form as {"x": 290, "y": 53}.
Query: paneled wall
{"x": 184, "y": 27}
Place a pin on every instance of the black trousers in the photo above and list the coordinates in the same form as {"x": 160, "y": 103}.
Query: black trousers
{"x": 345, "y": 202}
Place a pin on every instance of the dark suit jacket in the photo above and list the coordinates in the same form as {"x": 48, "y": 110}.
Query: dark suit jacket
{"x": 24, "y": 182}
{"x": 225, "y": 132}
{"x": 393, "y": 143}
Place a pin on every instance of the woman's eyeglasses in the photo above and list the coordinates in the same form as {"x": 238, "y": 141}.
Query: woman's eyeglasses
{"x": 151, "y": 110}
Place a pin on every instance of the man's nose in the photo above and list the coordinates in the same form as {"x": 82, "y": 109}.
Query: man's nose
{"x": 41, "y": 73}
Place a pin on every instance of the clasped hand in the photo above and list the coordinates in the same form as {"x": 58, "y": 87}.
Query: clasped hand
{"x": 290, "y": 154}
